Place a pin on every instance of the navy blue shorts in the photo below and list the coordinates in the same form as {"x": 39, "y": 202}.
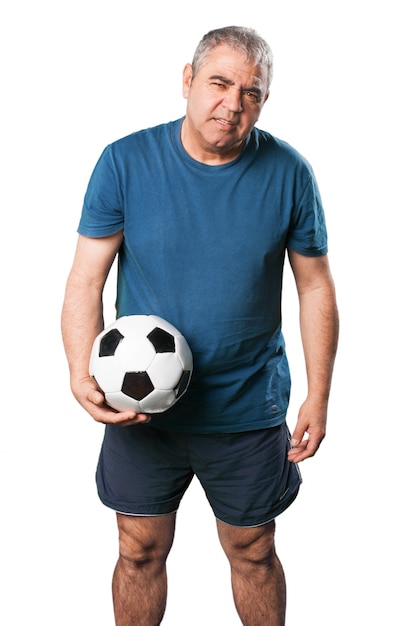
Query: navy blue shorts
{"x": 247, "y": 477}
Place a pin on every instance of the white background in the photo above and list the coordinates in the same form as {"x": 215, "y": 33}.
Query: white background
{"x": 78, "y": 75}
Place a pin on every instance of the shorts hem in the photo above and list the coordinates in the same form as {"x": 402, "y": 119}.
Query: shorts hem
{"x": 252, "y": 524}
{"x": 143, "y": 514}
{"x": 144, "y": 511}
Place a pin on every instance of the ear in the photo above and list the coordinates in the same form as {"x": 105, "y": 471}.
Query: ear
{"x": 187, "y": 77}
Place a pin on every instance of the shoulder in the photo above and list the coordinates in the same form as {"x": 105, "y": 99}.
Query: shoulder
{"x": 144, "y": 137}
{"x": 269, "y": 144}
{"x": 138, "y": 149}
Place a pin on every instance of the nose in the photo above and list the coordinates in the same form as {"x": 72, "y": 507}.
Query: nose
{"x": 234, "y": 100}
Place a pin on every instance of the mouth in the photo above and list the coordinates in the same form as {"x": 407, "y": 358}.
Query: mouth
{"x": 224, "y": 123}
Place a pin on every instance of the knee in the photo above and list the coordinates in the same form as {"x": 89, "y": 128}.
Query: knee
{"x": 137, "y": 553}
{"x": 250, "y": 549}
{"x": 140, "y": 544}
{"x": 259, "y": 555}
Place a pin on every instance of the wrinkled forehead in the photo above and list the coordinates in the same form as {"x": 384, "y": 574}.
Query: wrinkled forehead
{"x": 233, "y": 62}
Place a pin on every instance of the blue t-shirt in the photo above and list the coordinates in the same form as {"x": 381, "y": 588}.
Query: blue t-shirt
{"x": 204, "y": 248}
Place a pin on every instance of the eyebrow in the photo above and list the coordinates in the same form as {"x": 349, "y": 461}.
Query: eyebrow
{"x": 229, "y": 82}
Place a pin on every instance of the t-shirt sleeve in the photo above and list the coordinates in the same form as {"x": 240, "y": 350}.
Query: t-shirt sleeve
{"x": 308, "y": 234}
{"x": 102, "y": 213}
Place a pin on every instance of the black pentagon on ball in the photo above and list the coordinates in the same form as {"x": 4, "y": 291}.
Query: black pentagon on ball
{"x": 162, "y": 340}
{"x": 110, "y": 342}
{"x": 183, "y": 383}
{"x": 137, "y": 385}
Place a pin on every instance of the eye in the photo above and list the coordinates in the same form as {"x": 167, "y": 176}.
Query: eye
{"x": 252, "y": 96}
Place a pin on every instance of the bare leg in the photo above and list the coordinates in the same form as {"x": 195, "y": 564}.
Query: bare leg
{"x": 258, "y": 580}
{"x": 140, "y": 577}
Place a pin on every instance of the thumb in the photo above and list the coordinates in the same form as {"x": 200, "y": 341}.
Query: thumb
{"x": 98, "y": 398}
{"x": 296, "y": 437}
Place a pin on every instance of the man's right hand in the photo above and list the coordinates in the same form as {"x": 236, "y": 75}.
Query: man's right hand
{"x": 91, "y": 398}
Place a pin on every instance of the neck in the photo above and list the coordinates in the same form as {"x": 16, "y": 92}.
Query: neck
{"x": 210, "y": 155}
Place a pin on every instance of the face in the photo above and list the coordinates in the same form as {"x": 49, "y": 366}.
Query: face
{"x": 224, "y": 101}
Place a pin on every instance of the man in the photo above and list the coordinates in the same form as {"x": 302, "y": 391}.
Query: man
{"x": 200, "y": 213}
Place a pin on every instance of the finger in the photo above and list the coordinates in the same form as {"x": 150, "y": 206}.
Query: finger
{"x": 298, "y": 453}
{"x": 304, "y": 450}
{"x": 296, "y": 456}
{"x": 104, "y": 414}
{"x": 128, "y": 419}
{"x": 140, "y": 418}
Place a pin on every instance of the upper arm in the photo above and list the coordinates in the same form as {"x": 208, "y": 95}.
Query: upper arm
{"x": 94, "y": 258}
{"x": 310, "y": 272}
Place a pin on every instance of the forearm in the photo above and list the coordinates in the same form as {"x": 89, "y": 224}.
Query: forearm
{"x": 82, "y": 320}
{"x": 319, "y": 325}
{"x": 82, "y": 312}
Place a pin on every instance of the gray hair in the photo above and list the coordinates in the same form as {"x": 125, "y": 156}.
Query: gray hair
{"x": 238, "y": 37}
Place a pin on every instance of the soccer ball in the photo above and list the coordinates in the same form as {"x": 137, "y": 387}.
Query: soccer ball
{"x": 141, "y": 362}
